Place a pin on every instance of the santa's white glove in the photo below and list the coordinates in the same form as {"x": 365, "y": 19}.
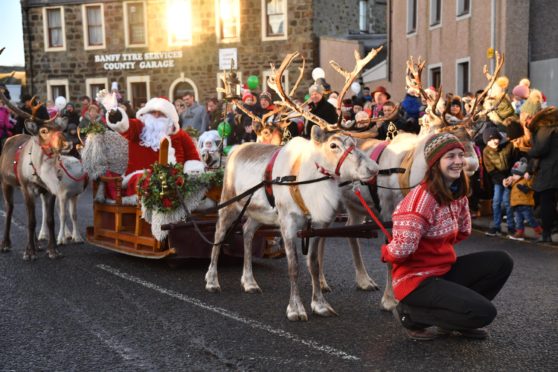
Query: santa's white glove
{"x": 117, "y": 120}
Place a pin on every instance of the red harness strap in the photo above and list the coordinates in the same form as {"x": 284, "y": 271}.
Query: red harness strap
{"x": 375, "y": 156}
{"x": 267, "y": 178}
{"x": 342, "y": 159}
{"x": 16, "y": 161}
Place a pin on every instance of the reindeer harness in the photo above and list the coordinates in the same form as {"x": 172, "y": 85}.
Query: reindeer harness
{"x": 295, "y": 169}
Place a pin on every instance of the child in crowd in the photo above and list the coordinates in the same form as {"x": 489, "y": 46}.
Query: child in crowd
{"x": 497, "y": 158}
{"x": 522, "y": 199}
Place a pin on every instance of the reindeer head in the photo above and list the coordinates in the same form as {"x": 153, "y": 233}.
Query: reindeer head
{"x": 341, "y": 158}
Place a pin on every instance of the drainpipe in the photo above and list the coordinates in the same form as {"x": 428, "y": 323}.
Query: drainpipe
{"x": 31, "y": 77}
{"x": 492, "y": 32}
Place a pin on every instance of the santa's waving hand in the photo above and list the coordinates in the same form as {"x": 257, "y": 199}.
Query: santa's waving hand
{"x": 156, "y": 120}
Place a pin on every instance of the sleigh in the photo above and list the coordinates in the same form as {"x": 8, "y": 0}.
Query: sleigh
{"x": 119, "y": 227}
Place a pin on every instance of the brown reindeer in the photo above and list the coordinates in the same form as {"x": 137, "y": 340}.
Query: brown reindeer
{"x": 31, "y": 162}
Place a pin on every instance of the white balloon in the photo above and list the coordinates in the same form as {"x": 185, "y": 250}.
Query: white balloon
{"x": 60, "y": 103}
{"x": 318, "y": 73}
{"x": 355, "y": 87}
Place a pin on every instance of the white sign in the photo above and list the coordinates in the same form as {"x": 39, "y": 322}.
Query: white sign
{"x": 130, "y": 61}
{"x": 226, "y": 55}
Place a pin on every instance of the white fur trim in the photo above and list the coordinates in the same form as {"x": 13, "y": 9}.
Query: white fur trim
{"x": 127, "y": 177}
{"x": 123, "y": 125}
{"x": 160, "y": 104}
{"x": 194, "y": 167}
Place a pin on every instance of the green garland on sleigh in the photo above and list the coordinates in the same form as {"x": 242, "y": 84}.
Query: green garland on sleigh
{"x": 95, "y": 128}
{"x": 158, "y": 187}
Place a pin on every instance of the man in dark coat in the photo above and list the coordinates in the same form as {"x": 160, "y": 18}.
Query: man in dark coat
{"x": 544, "y": 127}
{"x": 320, "y": 107}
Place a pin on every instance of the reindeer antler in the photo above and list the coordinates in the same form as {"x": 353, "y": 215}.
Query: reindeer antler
{"x": 351, "y": 76}
{"x": 491, "y": 79}
{"x": 275, "y": 83}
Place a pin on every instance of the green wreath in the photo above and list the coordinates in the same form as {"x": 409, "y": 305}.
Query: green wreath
{"x": 95, "y": 128}
{"x": 159, "y": 187}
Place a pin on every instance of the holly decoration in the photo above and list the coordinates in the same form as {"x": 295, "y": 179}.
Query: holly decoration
{"x": 93, "y": 128}
{"x": 160, "y": 187}
{"x": 193, "y": 132}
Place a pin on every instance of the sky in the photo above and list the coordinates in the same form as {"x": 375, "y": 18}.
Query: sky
{"x": 11, "y": 36}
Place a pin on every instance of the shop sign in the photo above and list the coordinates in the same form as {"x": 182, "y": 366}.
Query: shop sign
{"x": 132, "y": 61}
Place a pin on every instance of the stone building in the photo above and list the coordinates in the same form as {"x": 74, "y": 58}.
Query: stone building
{"x": 165, "y": 47}
{"x": 458, "y": 37}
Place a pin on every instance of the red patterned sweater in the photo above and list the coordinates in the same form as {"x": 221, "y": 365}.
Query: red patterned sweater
{"x": 424, "y": 233}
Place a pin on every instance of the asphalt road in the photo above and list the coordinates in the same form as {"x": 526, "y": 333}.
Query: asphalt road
{"x": 98, "y": 310}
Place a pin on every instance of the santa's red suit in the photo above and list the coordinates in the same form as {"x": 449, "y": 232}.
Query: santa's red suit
{"x": 140, "y": 155}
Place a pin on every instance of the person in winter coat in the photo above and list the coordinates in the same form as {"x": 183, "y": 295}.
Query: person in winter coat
{"x": 498, "y": 159}
{"x": 433, "y": 286}
{"x": 522, "y": 199}
{"x": 544, "y": 127}
{"x": 320, "y": 107}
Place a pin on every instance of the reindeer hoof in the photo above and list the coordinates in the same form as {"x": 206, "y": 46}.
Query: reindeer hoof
{"x": 368, "y": 287}
{"x": 296, "y": 313}
{"x": 388, "y": 303}
{"x": 323, "y": 309}
{"x": 5, "y": 249}
{"x": 251, "y": 289}
{"x": 54, "y": 254}
{"x": 77, "y": 240}
{"x": 29, "y": 257}
{"x": 213, "y": 288}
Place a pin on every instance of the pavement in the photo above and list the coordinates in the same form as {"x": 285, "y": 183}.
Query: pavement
{"x": 483, "y": 224}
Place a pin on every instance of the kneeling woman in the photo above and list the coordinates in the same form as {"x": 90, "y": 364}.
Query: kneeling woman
{"x": 434, "y": 287}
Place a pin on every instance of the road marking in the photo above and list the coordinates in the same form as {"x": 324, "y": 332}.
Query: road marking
{"x": 14, "y": 221}
{"x": 231, "y": 315}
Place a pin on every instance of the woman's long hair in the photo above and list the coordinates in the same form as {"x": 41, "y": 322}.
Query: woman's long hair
{"x": 436, "y": 185}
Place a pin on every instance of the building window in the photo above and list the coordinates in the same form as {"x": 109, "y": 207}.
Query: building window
{"x": 462, "y": 74}
{"x": 95, "y": 85}
{"x": 284, "y": 80}
{"x": 135, "y": 21}
{"x": 179, "y": 21}
{"x": 138, "y": 90}
{"x": 93, "y": 26}
{"x": 274, "y": 19}
{"x": 435, "y": 13}
{"x": 435, "y": 75}
{"x": 220, "y": 82}
{"x": 57, "y": 88}
{"x": 54, "y": 29}
{"x": 411, "y": 16}
{"x": 463, "y": 8}
{"x": 228, "y": 20}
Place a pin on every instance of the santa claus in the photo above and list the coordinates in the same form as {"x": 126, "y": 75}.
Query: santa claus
{"x": 156, "y": 120}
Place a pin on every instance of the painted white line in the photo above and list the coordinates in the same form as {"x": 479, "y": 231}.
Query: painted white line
{"x": 231, "y": 315}
{"x": 14, "y": 221}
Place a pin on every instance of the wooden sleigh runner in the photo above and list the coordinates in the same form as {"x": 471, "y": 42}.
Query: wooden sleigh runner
{"x": 119, "y": 227}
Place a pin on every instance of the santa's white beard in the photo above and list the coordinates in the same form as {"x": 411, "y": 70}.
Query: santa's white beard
{"x": 154, "y": 130}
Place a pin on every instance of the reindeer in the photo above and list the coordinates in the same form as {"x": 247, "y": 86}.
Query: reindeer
{"x": 405, "y": 151}
{"x": 72, "y": 183}
{"x": 31, "y": 162}
{"x": 327, "y": 153}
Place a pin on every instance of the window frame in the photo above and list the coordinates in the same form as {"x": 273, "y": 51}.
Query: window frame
{"x": 220, "y": 83}
{"x": 432, "y": 67}
{"x": 432, "y": 5}
{"x": 126, "y": 24}
{"x": 48, "y": 48}
{"x": 86, "y": 45}
{"x": 264, "y": 23}
{"x": 218, "y": 23}
{"x": 57, "y": 82}
{"x": 138, "y": 79}
{"x": 91, "y": 81}
{"x": 412, "y": 32}
{"x": 457, "y": 77}
{"x": 181, "y": 43}
{"x": 460, "y": 16}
